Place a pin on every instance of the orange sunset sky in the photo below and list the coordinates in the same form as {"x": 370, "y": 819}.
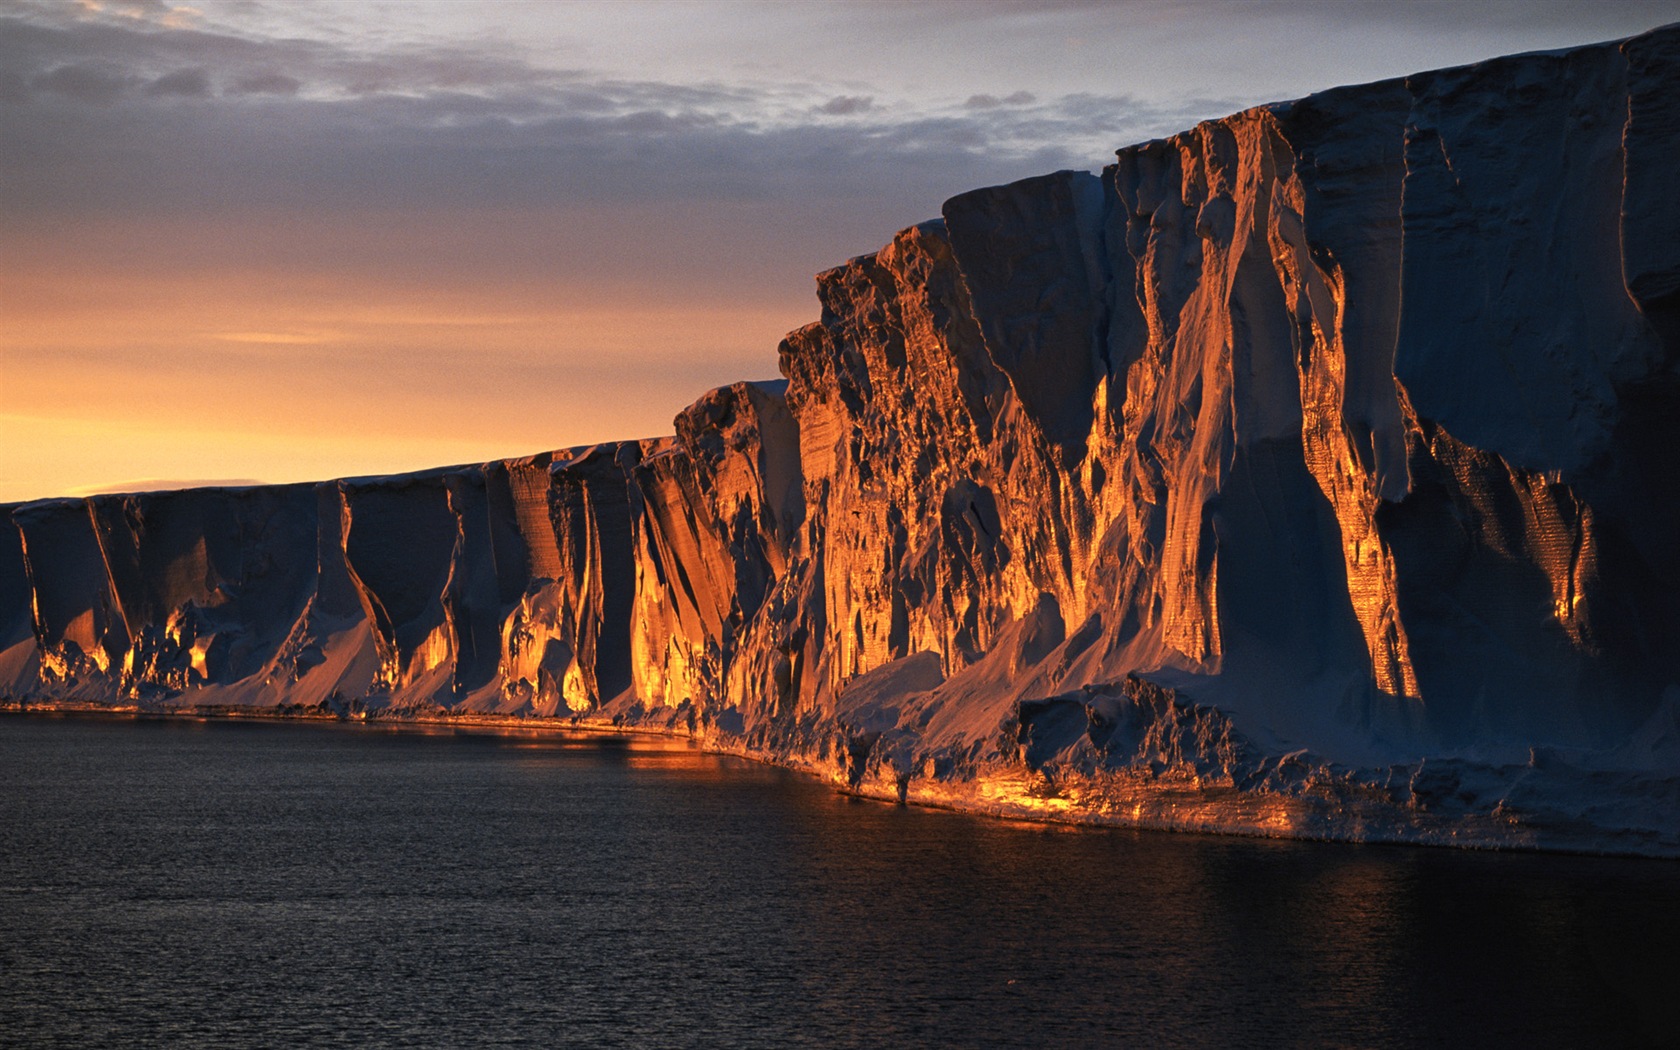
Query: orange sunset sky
{"x": 285, "y": 241}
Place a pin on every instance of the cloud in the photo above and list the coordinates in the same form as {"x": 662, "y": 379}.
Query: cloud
{"x": 90, "y": 84}
{"x": 277, "y": 338}
{"x": 184, "y": 83}
{"x": 154, "y": 11}
{"x": 479, "y": 175}
{"x": 318, "y": 129}
{"x": 1104, "y": 16}
{"x": 1589, "y": 19}
{"x": 319, "y": 137}
{"x": 1019, "y": 98}
{"x": 846, "y": 105}
{"x": 265, "y": 84}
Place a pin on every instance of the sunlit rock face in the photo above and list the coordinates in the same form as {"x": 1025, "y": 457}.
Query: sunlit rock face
{"x": 500, "y": 588}
{"x": 1308, "y": 473}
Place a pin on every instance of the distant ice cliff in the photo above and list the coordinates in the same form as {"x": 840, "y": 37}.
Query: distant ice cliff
{"x": 1313, "y": 472}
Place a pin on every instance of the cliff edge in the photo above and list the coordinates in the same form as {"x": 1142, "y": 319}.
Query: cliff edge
{"x": 1310, "y": 473}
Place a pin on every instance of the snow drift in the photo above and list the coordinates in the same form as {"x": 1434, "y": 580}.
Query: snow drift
{"x": 1312, "y": 472}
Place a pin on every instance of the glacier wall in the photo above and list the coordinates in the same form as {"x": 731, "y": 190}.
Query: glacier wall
{"x": 1313, "y": 472}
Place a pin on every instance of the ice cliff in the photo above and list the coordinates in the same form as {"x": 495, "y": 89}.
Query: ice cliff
{"x": 1313, "y": 472}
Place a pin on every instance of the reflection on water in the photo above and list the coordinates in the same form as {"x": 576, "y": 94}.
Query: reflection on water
{"x": 166, "y": 883}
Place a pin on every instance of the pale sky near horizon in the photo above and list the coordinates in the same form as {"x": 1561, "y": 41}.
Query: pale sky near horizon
{"x": 285, "y": 241}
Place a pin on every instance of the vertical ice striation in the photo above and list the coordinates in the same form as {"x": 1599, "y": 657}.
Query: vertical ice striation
{"x": 1308, "y": 473}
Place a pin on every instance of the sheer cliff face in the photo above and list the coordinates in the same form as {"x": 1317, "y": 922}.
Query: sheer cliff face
{"x": 1309, "y": 473}
{"x": 715, "y": 513}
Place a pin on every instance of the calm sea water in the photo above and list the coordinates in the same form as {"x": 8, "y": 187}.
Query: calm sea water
{"x": 170, "y": 883}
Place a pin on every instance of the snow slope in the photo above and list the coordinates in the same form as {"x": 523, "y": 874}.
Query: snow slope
{"x": 1308, "y": 473}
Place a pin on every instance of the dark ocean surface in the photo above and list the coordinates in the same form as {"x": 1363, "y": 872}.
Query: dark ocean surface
{"x": 209, "y": 884}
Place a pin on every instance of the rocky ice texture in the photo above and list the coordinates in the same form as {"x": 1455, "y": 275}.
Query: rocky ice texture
{"x": 1310, "y": 473}
{"x": 502, "y": 588}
